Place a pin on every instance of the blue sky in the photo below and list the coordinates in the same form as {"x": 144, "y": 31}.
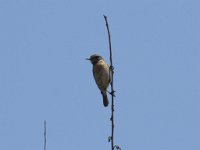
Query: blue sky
{"x": 44, "y": 74}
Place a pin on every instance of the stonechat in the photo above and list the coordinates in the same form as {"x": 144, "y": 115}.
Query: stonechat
{"x": 101, "y": 75}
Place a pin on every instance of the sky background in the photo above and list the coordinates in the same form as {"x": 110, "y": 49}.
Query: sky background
{"x": 44, "y": 74}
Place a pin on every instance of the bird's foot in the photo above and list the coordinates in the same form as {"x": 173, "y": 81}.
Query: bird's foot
{"x": 111, "y": 68}
{"x": 112, "y": 93}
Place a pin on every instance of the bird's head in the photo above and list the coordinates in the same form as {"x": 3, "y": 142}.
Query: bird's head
{"x": 94, "y": 58}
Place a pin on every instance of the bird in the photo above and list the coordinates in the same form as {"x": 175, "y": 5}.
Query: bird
{"x": 101, "y": 73}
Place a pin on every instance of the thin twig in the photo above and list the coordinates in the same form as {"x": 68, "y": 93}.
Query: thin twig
{"x": 112, "y": 88}
{"x": 45, "y": 134}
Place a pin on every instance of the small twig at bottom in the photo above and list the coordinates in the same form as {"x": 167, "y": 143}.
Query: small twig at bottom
{"x": 45, "y": 134}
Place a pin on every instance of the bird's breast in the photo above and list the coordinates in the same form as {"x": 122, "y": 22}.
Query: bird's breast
{"x": 101, "y": 75}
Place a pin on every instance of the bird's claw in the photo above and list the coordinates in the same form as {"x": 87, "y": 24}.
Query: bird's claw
{"x": 112, "y": 68}
{"x": 112, "y": 93}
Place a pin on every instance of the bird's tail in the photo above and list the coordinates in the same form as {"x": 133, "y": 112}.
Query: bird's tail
{"x": 105, "y": 99}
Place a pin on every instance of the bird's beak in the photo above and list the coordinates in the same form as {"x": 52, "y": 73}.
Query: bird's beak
{"x": 87, "y": 58}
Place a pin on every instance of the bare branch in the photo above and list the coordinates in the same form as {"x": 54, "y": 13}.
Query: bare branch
{"x": 111, "y": 138}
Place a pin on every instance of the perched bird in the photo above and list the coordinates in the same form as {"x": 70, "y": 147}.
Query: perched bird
{"x": 101, "y": 75}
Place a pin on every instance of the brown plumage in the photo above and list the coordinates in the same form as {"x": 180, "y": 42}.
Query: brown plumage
{"x": 101, "y": 75}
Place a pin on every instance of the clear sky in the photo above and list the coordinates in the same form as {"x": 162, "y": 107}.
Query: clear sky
{"x": 44, "y": 74}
